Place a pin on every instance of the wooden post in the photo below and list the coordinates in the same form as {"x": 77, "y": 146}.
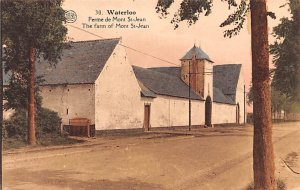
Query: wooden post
{"x": 190, "y": 96}
{"x": 245, "y": 118}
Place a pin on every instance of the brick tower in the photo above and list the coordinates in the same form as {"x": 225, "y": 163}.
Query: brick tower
{"x": 198, "y": 63}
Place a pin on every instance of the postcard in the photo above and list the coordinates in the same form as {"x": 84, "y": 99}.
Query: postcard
{"x": 160, "y": 94}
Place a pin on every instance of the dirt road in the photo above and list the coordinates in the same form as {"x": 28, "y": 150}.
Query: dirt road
{"x": 218, "y": 158}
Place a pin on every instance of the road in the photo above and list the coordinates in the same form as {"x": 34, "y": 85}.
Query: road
{"x": 214, "y": 158}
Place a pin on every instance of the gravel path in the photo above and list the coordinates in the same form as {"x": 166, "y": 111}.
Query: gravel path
{"x": 219, "y": 158}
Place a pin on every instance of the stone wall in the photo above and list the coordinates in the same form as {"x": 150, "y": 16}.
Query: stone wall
{"x": 70, "y": 101}
{"x": 172, "y": 111}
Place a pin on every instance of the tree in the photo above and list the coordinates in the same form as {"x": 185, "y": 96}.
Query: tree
{"x": 190, "y": 10}
{"x": 31, "y": 30}
{"x": 16, "y": 93}
{"x": 279, "y": 102}
{"x": 285, "y": 51}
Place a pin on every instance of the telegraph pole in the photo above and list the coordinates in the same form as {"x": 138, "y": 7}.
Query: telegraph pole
{"x": 245, "y": 104}
{"x": 189, "y": 96}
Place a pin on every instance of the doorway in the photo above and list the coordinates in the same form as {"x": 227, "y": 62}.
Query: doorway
{"x": 238, "y": 113}
{"x": 147, "y": 109}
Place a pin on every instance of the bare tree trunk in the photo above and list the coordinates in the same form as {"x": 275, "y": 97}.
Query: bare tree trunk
{"x": 31, "y": 100}
{"x": 263, "y": 155}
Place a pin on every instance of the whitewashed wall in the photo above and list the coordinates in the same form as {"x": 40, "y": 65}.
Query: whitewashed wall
{"x": 223, "y": 113}
{"x": 114, "y": 102}
{"x": 118, "y": 99}
{"x": 240, "y": 97}
{"x": 172, "y": 111}
{"x": 78, "y": 99}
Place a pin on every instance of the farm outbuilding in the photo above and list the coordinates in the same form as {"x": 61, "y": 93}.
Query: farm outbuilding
{"x": 95, "y": 80}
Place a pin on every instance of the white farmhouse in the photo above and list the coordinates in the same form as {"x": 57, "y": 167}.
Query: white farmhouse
{"x": 95, "y": 80}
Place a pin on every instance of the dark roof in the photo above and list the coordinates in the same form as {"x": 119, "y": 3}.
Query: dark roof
{"x": 145, "y": 92}
{"x": 226, "y": 78}
{"x": 173, "y": 71}
{"x": 81, "y": 64}
{"x": 200, "y": 54}
{"x": 163, "y": 84}
{"x": 84, "y": 61}
{"x": 221, "y": 98}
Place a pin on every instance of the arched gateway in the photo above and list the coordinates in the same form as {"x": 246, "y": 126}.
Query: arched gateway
{"x": 208, "y": 111}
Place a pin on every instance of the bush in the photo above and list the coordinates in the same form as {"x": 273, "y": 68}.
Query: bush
{"x": 16, "y": 126}
{"x": 47, "y": 122}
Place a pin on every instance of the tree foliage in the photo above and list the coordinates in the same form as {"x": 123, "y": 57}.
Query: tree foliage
{"x": 236, "y": 19}
{"x": 285, "y": 51}
{"x": 190, "y": 11}
{"x": 33, "y": 23}
{"x": 16, "y": 93}
{"x": 32, "y": 30}
{"x": 279, "y": 101}
{"x": 27, "y": 24}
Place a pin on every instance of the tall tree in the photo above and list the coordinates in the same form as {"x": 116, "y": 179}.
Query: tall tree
{"x": 190, "y": 10}
{"x": 279, "y": 101}
{"x": 32, "y": 30}
{"x": 285, "y": 51}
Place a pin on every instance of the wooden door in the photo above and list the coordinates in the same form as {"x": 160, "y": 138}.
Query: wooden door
{"x": 238, "y": 114}
{"x": 147, "y": 117}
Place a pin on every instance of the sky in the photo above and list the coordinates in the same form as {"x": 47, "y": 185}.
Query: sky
{"x": 161, "y": 40}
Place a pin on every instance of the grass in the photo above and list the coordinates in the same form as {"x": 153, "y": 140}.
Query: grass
{"x": 49, "y": 140}
{"x": 280, "y": 185}
{"x": 13, "y": 143}
{"x": 45, "y": 140}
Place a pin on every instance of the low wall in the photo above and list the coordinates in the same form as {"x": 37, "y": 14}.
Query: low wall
{"x": 172, "y": 111}
{"x": 224, "y": 113}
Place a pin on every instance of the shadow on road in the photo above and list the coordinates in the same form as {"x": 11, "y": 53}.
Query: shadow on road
{"x": 59, "y": 179}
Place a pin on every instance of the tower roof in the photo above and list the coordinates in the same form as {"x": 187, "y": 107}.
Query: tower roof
{"x": 198, "y": 52}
